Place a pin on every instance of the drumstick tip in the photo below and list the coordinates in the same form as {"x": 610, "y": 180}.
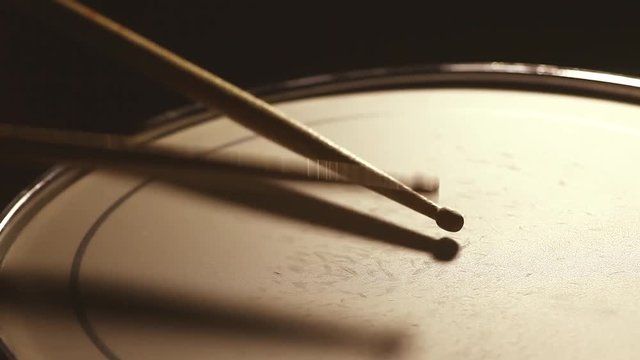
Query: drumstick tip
{"x": 449, "y": 219}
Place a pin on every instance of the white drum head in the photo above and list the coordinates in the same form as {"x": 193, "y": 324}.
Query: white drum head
{"x": 112, "y": 266}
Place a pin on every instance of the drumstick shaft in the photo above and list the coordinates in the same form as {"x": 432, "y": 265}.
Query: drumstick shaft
{"x": 253, "y": 113}
{"x": 19, "y": 144}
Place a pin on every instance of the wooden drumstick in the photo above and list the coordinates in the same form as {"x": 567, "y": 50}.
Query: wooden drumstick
{"x": 21, "y": 144}
{"x": 253, "y": 113}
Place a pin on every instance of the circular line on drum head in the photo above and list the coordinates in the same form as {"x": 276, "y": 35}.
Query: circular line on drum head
{"x": 74, "y": 278}
{"x": 74, "y": 285}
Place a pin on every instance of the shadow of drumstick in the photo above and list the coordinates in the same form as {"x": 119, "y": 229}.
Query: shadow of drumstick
{"x": 47, "y": 297}
{"x": 43, "y": 293}
{"x": 277, "y": 198}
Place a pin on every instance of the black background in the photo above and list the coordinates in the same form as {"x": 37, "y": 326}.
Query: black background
{"x": 46, "y": 79}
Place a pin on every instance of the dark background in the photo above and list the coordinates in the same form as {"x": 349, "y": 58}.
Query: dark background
{"x": 46, "y": 79}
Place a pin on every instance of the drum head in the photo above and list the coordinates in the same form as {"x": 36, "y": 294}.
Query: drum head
{"x": 102, "y": 265}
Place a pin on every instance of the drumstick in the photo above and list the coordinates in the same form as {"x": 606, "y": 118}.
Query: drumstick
{"x": 114, "y": 152}
{"x": 253, "y": 113}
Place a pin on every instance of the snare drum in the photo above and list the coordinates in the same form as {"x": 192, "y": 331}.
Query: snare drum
{"x": 542, "y": 161}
